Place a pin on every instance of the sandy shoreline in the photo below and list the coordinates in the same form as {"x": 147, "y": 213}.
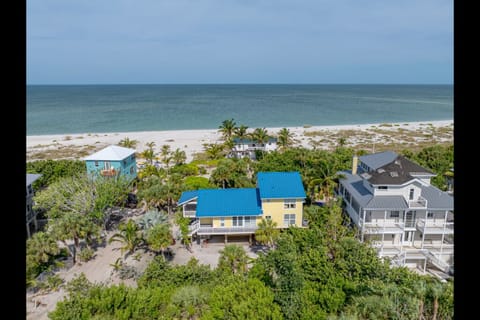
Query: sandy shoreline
{"x": 191, "y": 141}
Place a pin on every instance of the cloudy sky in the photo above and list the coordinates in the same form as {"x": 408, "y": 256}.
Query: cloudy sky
{"x": 239, "y": 41}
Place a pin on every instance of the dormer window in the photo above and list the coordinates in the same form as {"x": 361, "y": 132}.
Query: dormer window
{"x": 412, "y": 192}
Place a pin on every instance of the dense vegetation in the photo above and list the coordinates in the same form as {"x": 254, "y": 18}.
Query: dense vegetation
{"x": 52, "y": 170}
{"x": 320, "y": 272}
{"x": 317, "y": 273}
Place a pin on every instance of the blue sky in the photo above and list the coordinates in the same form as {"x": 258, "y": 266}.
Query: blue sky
{"x": 239, "y": 41}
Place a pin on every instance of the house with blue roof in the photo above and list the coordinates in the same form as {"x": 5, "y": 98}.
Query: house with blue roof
{"x": 112, "y": 161}
{"x": 395, "y": 208}
{"x": 279, "y": 196}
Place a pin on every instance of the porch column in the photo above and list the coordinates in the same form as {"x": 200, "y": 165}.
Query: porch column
{"x": 250, "y": 239}
{"x": 424, "y": 228}
{"x": 362, "y": 228}
{"x": 226, "y": 239}
{"x": 424, "y": 265}
{"x": 28, "y": 230}
{"x": 443, "y": 233}
{"x": 383, "y": 232}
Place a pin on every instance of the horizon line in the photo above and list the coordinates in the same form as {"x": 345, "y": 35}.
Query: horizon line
{"x": 231, "y": 83}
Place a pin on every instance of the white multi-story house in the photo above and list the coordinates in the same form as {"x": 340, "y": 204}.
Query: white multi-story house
{"x": 246, "y": 147}
{"x": 31, "y": 215}
{"x": 395, "y": 208}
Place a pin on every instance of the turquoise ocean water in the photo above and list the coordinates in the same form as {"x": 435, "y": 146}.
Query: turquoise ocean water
{"x": 56, "y": 109}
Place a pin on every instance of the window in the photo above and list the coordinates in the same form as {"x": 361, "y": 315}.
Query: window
{"x": 394, "y": 214}
{"x": 288, "y": 219}
{"x": 124, "y": 162}
{"x": 289, "y": 204}
{"x": 222, "y": 222}
{"x": 131, "y": 170}
{"x": 382, "y": 188}
{"x": 237, "y": 221}
{"x": 96, "y": 163}
{"x": 411, "y": 194}
{"x": 430, "y": 215}
{"x": 107, "y": 165}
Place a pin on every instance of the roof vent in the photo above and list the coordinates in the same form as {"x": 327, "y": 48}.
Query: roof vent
{"x": 397, "y": 162}
{"x": 381, "y": 170}
{"x": 365, "y": 176}
{"x": 394, "y": 174}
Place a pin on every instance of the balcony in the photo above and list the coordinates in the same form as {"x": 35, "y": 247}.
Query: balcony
{"x": 420, "y": 203}
{"x": 430, "y": 227}
{"x": 222, "y": 230}
{"x": 196, "y": 227}
{"x": 109, "y": 172}
{"x": 379, "y": 228}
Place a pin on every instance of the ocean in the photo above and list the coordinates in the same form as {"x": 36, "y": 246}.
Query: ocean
{"x": 64, "y": 109}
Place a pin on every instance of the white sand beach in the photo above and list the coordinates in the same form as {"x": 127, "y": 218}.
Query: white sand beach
{"x": 406, "y": 134}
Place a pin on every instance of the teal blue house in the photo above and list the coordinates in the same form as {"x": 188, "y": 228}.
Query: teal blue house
{"x": 112, "y": 161}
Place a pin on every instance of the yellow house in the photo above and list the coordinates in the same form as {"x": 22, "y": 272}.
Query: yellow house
{"x": 279, "y": 196}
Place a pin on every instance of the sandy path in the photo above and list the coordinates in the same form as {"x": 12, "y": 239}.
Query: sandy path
{"x": 97, "y": 270}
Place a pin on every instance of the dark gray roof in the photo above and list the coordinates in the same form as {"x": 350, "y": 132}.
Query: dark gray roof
{"x": 31, "y": 177}
{"x": 397, "y": 172}
{"x": 376, "y": 160}
{"x": 387, "y": 202}
{"x": 436, "y": 198}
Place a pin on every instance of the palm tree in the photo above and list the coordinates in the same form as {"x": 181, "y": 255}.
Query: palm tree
{"x": 129, "y": 236}
{"x": 285, "y": 139}
{"x": 267, "y": 232}
{"x": 150, "y": 145}
{"x": 435, "y": 290}
{"x": 233, "y": 258}
{"x": 260, "y": 135}
{"x": 149, "y": 155}
{"x": 72, "y": 226}
{"x": 179, "y": 157}
{"x": 159, "y": 237}
{"x": 127, "y": 143}
{"x": 241, "y": 132}
{"x": 41, "y": 247}
{"x": 170, "y": 191}
{"x": 328, "y": 176}
{"x": 165, "y": 155}
{"x": 213, "y": 150}
{"x": 227, "y": 128}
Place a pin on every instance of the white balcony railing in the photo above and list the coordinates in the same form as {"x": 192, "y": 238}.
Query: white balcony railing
{"x": 421, "y": 202}
{"x": 429, "y": 226}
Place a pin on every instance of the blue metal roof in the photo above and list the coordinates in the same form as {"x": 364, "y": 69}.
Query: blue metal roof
{"x": 187, "y": 196}
{"x": 286, "y": 185}
{"x": 225, "y": 202}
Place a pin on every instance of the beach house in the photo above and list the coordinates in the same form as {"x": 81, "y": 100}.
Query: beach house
{"x": 31, "y": 216}
{"x": 244, "y": 147}
{"x": 279, "y": 196}
{"x": 112, "y": 161}
{"x": 395, "y": 208}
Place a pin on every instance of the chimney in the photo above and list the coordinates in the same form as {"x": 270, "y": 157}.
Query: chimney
{"x": 354, "y": 164}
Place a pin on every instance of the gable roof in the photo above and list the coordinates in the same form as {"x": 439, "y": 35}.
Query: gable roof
{"x": 225, "y": 202}
{"x": 187, "y": 196}
{"x": 112, "y": 153}
{"x": 376, "y": 160}
{"x": 32, "y": 177}
{"x": 274, "y": 185}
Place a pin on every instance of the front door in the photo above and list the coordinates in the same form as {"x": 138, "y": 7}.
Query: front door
{"x": 410, "y": 219}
